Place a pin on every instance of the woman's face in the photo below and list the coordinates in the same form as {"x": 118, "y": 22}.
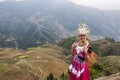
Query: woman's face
{"x": 83, "y": 37}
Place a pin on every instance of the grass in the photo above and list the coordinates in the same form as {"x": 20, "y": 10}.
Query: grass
{"x": 4, "y": 68}
{"x": 23, "y": 57}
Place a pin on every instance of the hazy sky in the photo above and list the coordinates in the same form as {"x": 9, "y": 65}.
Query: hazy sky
{"x": 100, "y": 4}
{"x": 8, "y": 0}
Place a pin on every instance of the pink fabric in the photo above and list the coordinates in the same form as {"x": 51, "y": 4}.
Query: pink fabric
{"x": 74, "y": 52}
{"x": 80, "y": 54}
{"x": 78, "y": 66}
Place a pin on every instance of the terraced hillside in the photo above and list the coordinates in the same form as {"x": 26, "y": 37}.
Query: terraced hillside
{"x": 32, "y": 64}
{"x": 37, "y": 63}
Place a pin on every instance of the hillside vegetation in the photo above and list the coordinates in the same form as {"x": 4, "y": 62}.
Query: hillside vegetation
{"x": 104, "y": 47}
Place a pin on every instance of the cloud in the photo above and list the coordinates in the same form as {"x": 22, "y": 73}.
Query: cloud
{"x": 19, "y": 0}
{"x": 11, "y": 0}
{"x": 100, "y": 4}
{"x": 2, "y": 0}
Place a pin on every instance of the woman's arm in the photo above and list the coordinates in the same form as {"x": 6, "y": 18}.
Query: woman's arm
{"x": 73, "y": 46}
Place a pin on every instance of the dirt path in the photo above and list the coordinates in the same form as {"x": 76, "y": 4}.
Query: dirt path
{"x": 111, "y": 77}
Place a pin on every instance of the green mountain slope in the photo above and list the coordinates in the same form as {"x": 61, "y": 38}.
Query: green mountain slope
{"x": 35, "y": 22}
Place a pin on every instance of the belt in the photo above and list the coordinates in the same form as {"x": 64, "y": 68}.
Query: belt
{"x": 81, "y": 59}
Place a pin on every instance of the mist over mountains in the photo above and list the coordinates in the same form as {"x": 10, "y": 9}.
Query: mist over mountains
{"x": 34, "y": 22}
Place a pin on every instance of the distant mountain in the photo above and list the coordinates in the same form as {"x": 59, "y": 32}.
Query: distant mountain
{"x": 34, "y": 22}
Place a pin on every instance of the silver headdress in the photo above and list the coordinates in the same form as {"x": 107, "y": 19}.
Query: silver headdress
{"x": 83, "y": 29}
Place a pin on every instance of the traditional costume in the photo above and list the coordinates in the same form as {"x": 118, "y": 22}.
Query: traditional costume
{"x": 78, "y": 69}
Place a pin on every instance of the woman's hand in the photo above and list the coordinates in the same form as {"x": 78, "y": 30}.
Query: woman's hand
{"x": 74, "y": 44}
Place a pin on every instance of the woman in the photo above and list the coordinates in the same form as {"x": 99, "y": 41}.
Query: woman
{"x": 78, "y": 69}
